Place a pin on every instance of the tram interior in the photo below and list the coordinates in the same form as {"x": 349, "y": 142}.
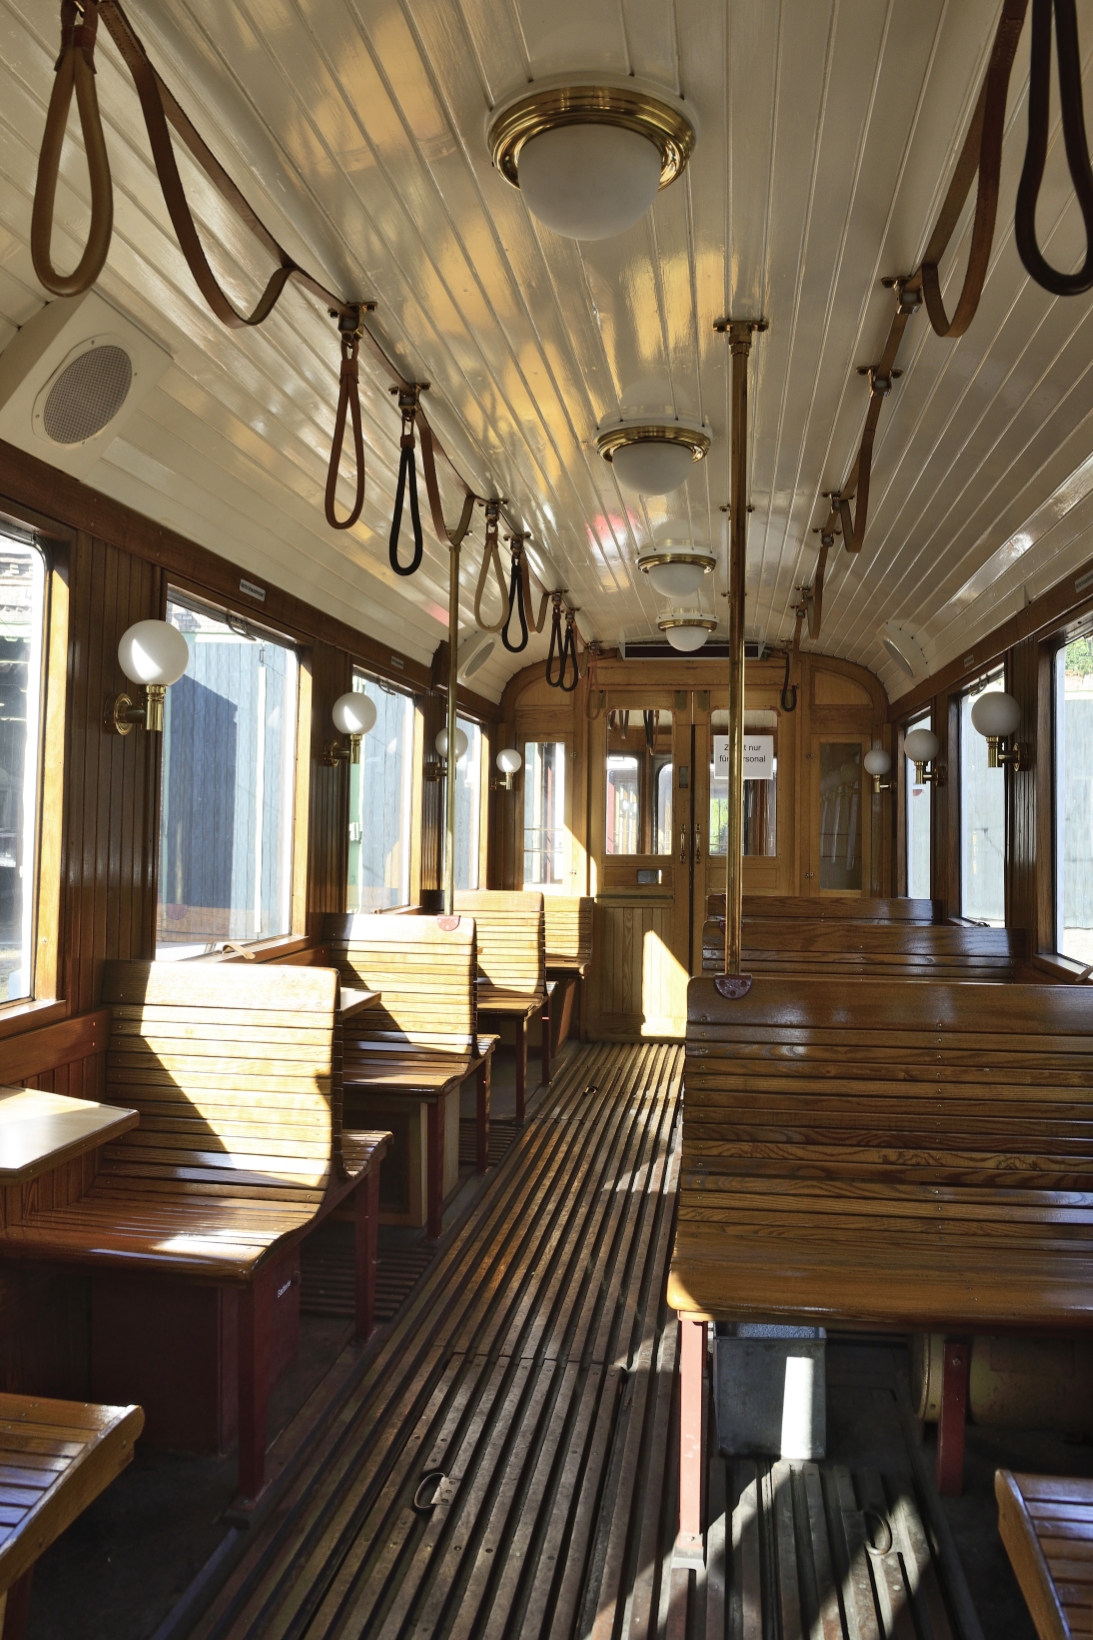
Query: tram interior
{"x": 546, "y": 820}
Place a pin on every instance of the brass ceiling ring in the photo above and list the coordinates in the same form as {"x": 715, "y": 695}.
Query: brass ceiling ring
{"x": 708, "y": 621}
{"x": 626, "y": 433}
{"x": 528, "y": 116}
{"x": 650, "y": 560}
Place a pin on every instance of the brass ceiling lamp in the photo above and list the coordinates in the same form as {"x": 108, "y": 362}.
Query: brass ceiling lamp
{"x": 650, "y": 456}
{"x": 590, "y": 152}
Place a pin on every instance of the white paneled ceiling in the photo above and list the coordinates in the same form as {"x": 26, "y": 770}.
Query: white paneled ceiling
{"x": 357, "y": 128}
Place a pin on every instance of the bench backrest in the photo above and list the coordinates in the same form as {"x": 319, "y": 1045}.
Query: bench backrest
{"x": 568, "y": 930}
{"x": 866, "y": 949}
{"x": 424, "y": 968}
{"x": 511, "y": 937}
{"x": 929, "y": 1084}
{"x": 821, "y": 908}
{"x": 231, "y": 1069}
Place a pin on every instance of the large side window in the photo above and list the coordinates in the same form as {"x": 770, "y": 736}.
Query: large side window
{"x": 469, "y": 807}
{"x": 546, "y": 837}
{"x": 22, "y": 656}
{"x": 982, "y": 821}
{"x": 381, "y": 793}
{"x": 1074, "y": 800}
{"x": 918, "y": 801}
{"x": 228, "y": 785}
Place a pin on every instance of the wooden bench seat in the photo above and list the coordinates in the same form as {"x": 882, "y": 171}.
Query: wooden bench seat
{"x": 510, "y": 929}
{"x": 868, "y": 950}
{"x": 421, "y": 1042}
{"x": 567, "y": 929}
{"x": 906, "y": 1157}
{"x": 239, "y": 1151}
{"x": 1046, "y": 1524}
{"x": 831, "y": 908}
{"x": 55, "y": 1459}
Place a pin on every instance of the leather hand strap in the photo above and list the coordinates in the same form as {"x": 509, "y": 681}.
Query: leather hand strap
{"x": 407, "y": 479}
{"x": 75, "y": 70}
{"x": 557, "y": 645}
{"x": 1077, "y": 148}
{"x": 516, "y": 602}
{"x": 491, "y": 560}
{"x": 349, "y": 398}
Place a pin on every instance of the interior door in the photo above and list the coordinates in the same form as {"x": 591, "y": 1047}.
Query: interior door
{"x": 640, "y": 827}
{"x": 839, "y": 840}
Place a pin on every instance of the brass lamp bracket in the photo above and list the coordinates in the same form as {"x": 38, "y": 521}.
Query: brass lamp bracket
{"x": 334, "y": 752}
{"x": 1016, "y": 758}
{"x": 122, "y": 713}
{"x": 937, "y": 776}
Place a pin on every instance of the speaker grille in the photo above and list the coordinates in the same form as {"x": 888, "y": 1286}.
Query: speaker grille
{"x": 87, "y": 395}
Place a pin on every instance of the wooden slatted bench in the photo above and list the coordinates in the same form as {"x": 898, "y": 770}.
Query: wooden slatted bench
{"x": 831, "y": 908}
{"x": 55, "y": 1459}
{"x": 913, "y": 1158}
{"x": 421, "y": 1043}
{"x": 863, "y": 950}
{"x": 239, "y": 1152}
{"x": 1046, "y": 1524}
{"x": 511, "y": 965}
{"x": 567, "y": 929}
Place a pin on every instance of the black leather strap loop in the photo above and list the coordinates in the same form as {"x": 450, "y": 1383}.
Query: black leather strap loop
{"x": 407, "y": 480}
{"x": 1068, "y": 56}
{"x": 516, "y": 604}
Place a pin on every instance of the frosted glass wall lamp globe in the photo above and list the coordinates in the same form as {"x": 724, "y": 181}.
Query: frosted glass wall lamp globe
{"x": 152, "y": 654}
{"x": 590, "y": 153}
{"x": 995, "y": 716}
{"x": 509, "y": 762}
{"x": 676, "y": 570}
{"x": 922, "y": 747}
{"x": 687, "y": 633}
{"x": 354, "y": 714}
{"x": 652, "y": 457}
{"x": 441, "y": 744}
{"x": 878, "y": 763}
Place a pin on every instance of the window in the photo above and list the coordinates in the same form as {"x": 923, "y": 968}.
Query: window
{"x": 545, "y": 835}
{"x": 982, "y": 821}
{"x": 1074, "y": 800}
{"x": 840, "y": 816}
{"x": 468, "y": 807}
{"x": 228, "y": 785}
{"x": 22, "y": 655}
{"x": 639, "y": 782}
{"x": 381, "y": 790}
{"x": 918, "y": 801}
{"x": 760, "y": 794}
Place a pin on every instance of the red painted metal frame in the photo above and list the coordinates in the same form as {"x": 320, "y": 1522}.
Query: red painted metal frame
{"x": 954, "y": 1412}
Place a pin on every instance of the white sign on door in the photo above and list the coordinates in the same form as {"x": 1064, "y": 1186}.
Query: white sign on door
{"x": 758, "y": 757}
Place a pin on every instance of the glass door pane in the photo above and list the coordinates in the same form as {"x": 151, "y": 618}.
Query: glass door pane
{"x": 638, "y": 817}
{"x": 840, "y": 817}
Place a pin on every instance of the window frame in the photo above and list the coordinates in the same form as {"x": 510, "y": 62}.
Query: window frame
{"x": 297, "y": 938}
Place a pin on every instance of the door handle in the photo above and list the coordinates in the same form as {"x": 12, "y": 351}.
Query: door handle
{"x": 698, "y": 845}
{"x": 683, "y": 845}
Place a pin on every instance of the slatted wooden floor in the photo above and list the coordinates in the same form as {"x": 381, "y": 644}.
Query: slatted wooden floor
{"x": 531, "y": 1375}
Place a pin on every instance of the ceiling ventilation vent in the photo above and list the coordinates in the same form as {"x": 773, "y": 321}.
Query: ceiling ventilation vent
{"x": 72, "y": 378}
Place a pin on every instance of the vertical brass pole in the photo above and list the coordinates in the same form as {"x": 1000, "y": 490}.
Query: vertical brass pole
{"x": 453, "y": 705}
{"x": 739, "y": 349}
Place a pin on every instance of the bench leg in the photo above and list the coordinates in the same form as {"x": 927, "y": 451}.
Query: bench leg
{"x": 521, "y": 1069}
{"x": 366, "y": 1214}
{"x": 482, "y": 1118}
{"x": 954, "y": 1410}
{"x": 256, "y": 1303}
{"x": 434, "y": 1171}
{"x": 692, "y": 1384}
{"x": 546, "y": 1024}
{"x": 15, "y": 1608}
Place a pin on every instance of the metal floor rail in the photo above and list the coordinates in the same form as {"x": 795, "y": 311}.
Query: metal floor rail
{"x": 531, "y": 1377}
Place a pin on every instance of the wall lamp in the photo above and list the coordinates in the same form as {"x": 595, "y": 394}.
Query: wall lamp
{"x": 152, "y": 654}
{"x": 439, "y": 770}
{"x": 922, "y": 747}
{"x": 878, "y": 763}
{"x": 354, "y": 715}
{"x": 996, "y": 715}
{"x": 509, "y": 762}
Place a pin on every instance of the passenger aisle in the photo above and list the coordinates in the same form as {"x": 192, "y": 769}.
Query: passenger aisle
{"x": 500, "y": 1467}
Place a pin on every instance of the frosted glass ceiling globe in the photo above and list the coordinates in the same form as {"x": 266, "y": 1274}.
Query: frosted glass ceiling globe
{"x": 153, "y": 652}
{"x": 353, "y": 714}
{"x": 676, "y": 578}
{"x": 652, "y": 466}
{"x": 589, "y": 181}
{"x": 996, "y": 714}
{"x": 687, "y": 638}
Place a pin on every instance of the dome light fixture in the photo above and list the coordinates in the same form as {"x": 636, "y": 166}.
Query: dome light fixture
{"x": 996, "y": 715}
{"x": 687, "y": 632}
{"x": 509, "y": 762}
{"x": 441, "y": 744}
{"x": 922, "y": 747}
{"x": 676, "y": 569}
{"x": 878, "y": 763}
{"x": 354, "y": 715}
{"x": 152, "y": 654}
{"x": 590, "y": 152}
{"x": 652, "y": 458}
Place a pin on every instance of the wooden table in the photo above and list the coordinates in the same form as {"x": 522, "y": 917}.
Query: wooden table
{"x": 40, "y": 1131}
{"x": 354, "y": 1001}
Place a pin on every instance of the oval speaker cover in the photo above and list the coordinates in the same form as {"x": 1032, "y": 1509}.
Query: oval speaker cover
{"x": 87, "y": 395}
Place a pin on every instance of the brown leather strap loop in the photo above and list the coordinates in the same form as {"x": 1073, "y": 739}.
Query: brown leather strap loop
{"x": 349, "y": 400}
{"x": 557, "y": 644}
{"x": 446, "y": 537}
{"x": 1068, "y": 54}
{"x": 491, "y": 561}
{"x": 75, "y": 71}
{"x": 536, "y": 623}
